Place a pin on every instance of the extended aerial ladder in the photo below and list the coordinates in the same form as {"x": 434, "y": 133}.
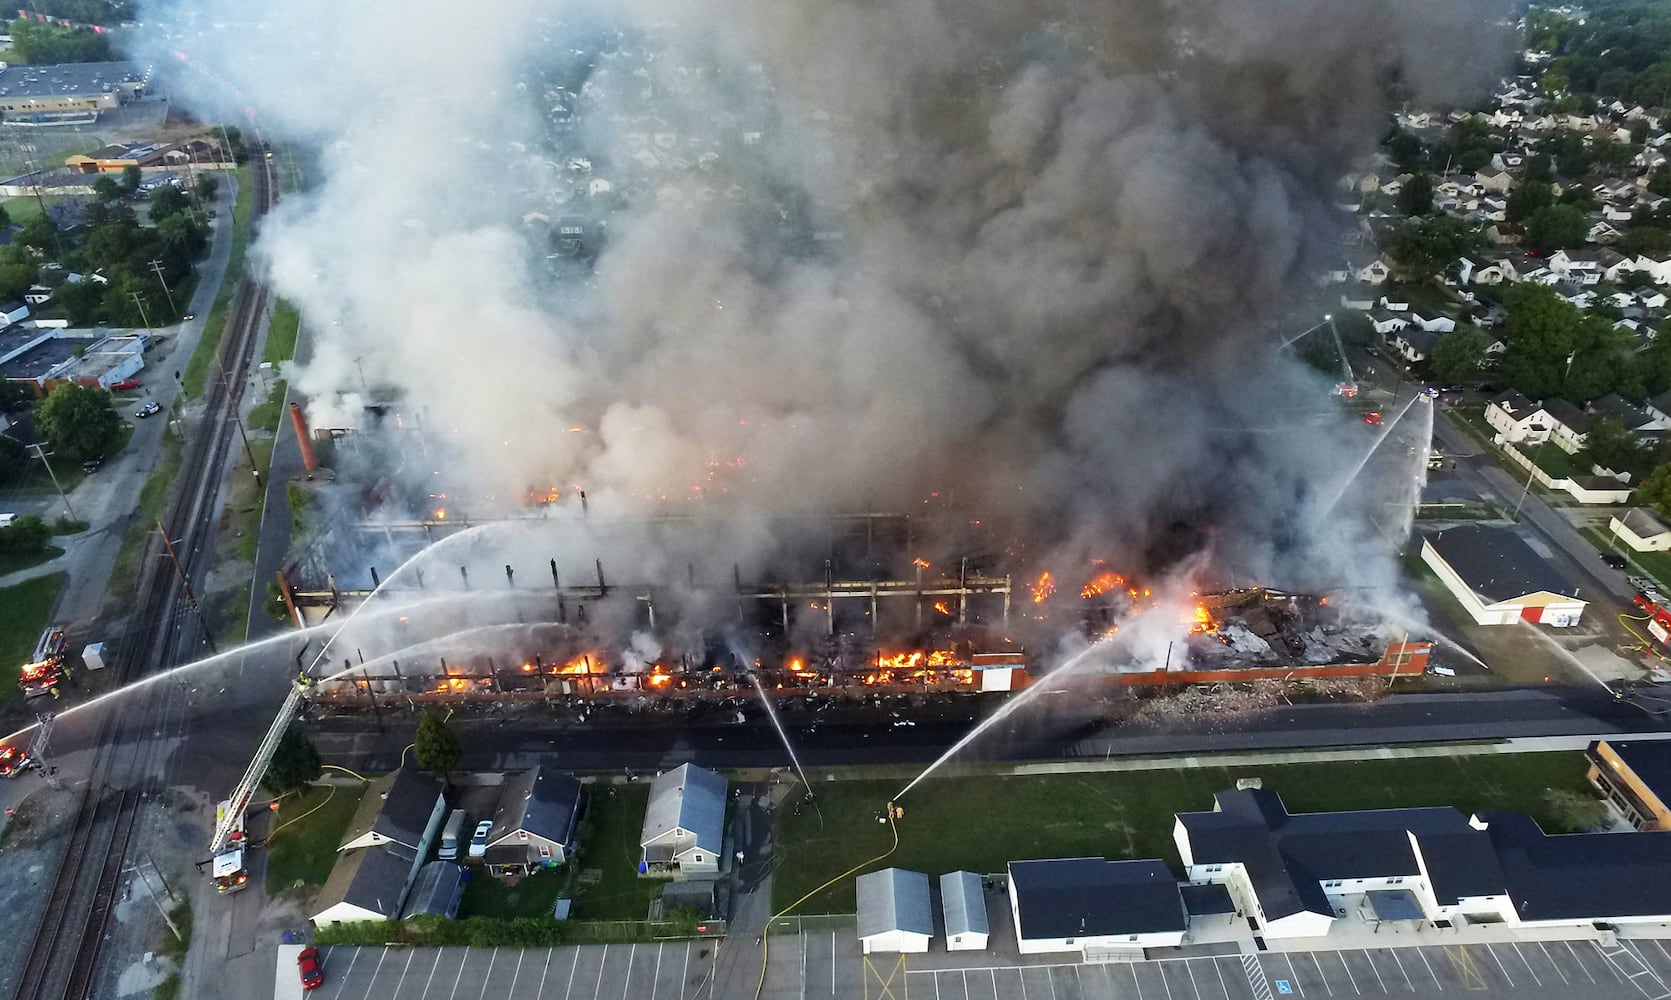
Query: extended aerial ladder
{"x": 231, "y": 819}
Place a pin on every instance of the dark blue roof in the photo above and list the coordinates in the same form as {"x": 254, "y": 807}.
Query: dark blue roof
{"x": 1090, "y": 897}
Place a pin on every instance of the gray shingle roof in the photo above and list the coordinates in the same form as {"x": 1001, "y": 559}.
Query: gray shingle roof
{"x": 439, "y": 887}
{"x": 1496, "y": 563}
{"x": 963, "y": 903}
{"x": 1090, "y": 897}
{"x": 690, "y": 798}
{"x": 541, "y": 802}
{"x": 372, "y": 879}
{"x": 397, "y": 806}
{"x": 894, "y": 899}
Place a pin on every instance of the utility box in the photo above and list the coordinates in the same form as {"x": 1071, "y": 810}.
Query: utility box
{"x": 93, "y": 656}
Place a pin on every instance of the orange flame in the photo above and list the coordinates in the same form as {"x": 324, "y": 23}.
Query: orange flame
{"x": 920, "y": 563}
{"x": 1203, "y": 621}
{"x": 940, "y": 606}
{"x": 1102, "y": 583}
{"x": 1043, "y": 587}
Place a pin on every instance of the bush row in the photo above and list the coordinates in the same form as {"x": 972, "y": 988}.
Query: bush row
{"x": 504, "y": 932}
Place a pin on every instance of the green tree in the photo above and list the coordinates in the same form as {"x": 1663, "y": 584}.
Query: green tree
{"x": 1406, "y": 150}
{"x": 1415, "y": 197}
{"x": 1556, "y": 227}
{"x": 1655, "y": 491}
{"x": 295, "y": 763}
{"x": 1603, "y": 361}
{"x": 1650, "y": 241}
{"x": 1459, "y": 354}
{"x": 1432, "y": 246}
{"x": 167, "y": 201}
{"x": 1537, "y": 170}
{"x": 1539, "y": 329}
{"x": 83, "y": 301}
{"x": 41, "y": 233}
{"x": 106, "y": 189}
{"x": 1527, "y": 199}
{"x": 25, "y": 536}
{"x": 436, "y": 747}
{"x": 207, "y": 186}
{"x": 78, "y": 421}
{"x": 45, "y": 44}
{"x": 1610, "y": 444}
{"x": 14, "y": 459}
{"x": 131, "y": 177}
{"x": 17, "y": 272}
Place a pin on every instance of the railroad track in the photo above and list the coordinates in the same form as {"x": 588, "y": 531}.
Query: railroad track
{"x": 63, "y": 957}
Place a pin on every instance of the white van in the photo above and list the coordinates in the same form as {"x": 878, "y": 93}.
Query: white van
{"x": 6, "y": 520}
{"x": 451, "y": 835}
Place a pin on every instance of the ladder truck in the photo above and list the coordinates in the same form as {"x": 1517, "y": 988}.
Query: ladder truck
{"x": 227, "y": 842}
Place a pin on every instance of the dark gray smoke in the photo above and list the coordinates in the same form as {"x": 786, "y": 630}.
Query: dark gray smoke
{"x": 1026, "y": 259}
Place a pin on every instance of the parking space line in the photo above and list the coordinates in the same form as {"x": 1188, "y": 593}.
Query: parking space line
{"x": 1221, "y": 983}
{"x": 1500, "y": 964}
{"x": 1162, "y": 970}
{"x": 1349, "y": 976}
{"x": 461, "y": 960}
{"x": 628, "y": 984}
{"x": 684, "y": 973}
{"x": 344, "y": 980}
{"x": 655, "y": 984}
{"x": 1528, "y": 965}
{"x": 1662, "y": 950}
{"x": 1319, "y": 963}
{"x": 1050, "y": 981}
{"x": 492, "y": 957}
{"x": 602, "y": 965}
{"x": 1551, "y": 959}
{"x": 431, "y": 978}
{"x": 802, "y": 936}
{"x": 1579, "y": 961}
{"x": 1401, "y": 971}
{"x": 832, "y": 965}
{"x": 518, "y": 970}
{"x": 403, "y": 971}
{"x": 1373, "y": 968}
{"x": 995, "y": 982}
{"x": 374, "y": 972}
{"x": 1135, "y": 984}
{"x": 572, "y": 970}
{"x": 545, "y": 972}
{"x": 1607, "y": 963}
{"x": 1435, "y": 975}
{"x": 1192, "y": 985}
{"x": 1019, "y": 974}
{"x": 1292, "y": 972}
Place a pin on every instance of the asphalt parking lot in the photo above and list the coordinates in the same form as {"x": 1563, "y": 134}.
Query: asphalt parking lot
{"x": 819, "y": 965}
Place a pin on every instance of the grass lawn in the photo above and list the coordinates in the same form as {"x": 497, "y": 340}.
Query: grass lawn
{"x": 485, "y": 896}
{"x": 23, "y": 614}
{"x": 1654, "y": 564}
{"x": 306, "y": 849}
{"x": 11, "y": 562}
{"x": 124, "y": 569}
{"x": 981, "y": 823}
{"x": 609, "y": 843}
{"x": 281, "y": 333}
{"x": 266, "y": 414}
{"x": 197, "y": 369}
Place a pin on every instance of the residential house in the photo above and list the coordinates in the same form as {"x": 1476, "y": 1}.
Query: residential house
{"x": 1505, "y": 234}
{"x": 1635, "y": 777}
{"x": 1634, "y": 418}
{"x": 1432, "y": 322}
{"x": 1578, "y": 266}
{"x": 1395, "y": 304}
{"x": 1567, "y": 425}
{"x": 1499, "y": 579}
{"x": 535, "y": 823}
{"x": 1414, "y": 343}
{"x": 1642, "y": 530}
{"x": 1385, "y": 322}
{"x": 1098, "y": 908}
{"x": 403, "y": 807}
{"x": 1376, "y": 272}
{"x": 37, "y": 295}
{"x": 369, "y": 884}
{"x": 13, "y": 312}
{"x": 684, "y": 824}
{"x": 1602, "y": 233}
{"x": 1516, "y": 419}
{"x": 963, "y": 908}
{"x": 1493, "y": 179}
{"x": 895, "y": 914}
{"x": 1491, "y": 272}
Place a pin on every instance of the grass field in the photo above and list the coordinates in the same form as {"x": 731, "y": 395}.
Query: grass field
{"x": 23, "y": 614}
{"x": 11, "y": 562}
{"x": 979, "y": 824}
{"x": 306, "y": 849}
{"x": 124, "y": 570}
{"x": 281, "y": 333}
{"x": 214, "y": 326}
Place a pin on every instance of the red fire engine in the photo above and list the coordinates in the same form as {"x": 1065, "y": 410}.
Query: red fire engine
{"x": 1659, "y": 615}
{"x": 46, "y": 670}
{"x": 13, "y": 760}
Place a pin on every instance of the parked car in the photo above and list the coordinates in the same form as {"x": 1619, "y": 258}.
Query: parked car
{"x": 478, "y": 840}
{"x": 149, "y": 409}
{"x": 1614, "y": 560}
{"x": 92, "y": 464}
{"x": 125, "y": 385}
{"x": 308, "y": 965}
{"x": 188, "y": 317}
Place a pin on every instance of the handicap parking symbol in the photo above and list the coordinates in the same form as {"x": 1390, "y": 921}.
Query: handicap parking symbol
{"x": 1283, "y": 986}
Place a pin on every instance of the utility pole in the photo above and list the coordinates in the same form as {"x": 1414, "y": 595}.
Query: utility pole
{"x": 139, "y": 869}
{"x": 40, "y": 453}
{"x": 191, "y": 598}
{"x": 141, "y": 304}
{"x": 249, "y": 453}
{"x": 156, "y": 268}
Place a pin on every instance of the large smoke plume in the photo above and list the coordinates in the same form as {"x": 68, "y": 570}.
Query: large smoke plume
{"x": 1033, "y": 257}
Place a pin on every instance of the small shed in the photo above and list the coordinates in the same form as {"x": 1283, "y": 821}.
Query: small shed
{"x": 894, "y": 911}
{"x": 1641, "y": 529}
{"x": 964, "y": 906}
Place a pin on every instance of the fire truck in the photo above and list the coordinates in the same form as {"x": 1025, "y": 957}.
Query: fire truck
{"x": 229, "y": 872}
{"x": 46, "y": 670}
{"x": 13, "y": 761}
{"x": 1658, "y": 608}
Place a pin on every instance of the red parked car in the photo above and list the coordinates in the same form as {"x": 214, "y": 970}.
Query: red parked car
{"x": 313, "y": 973}
{"x": 125, "y": 384}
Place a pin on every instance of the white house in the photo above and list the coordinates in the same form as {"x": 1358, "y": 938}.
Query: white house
{"x": 1375, "y": 272}
{"x": 405, "y": 807}
{"x": 1498, "y": 578}
{"x": 366, "y": 885}
{"x": 1414, "y": 343}
{"x": 1576, "y": 265}
{"x": 1385, "y": 322}
{"x": 1641, "y": 529}
{"x": 684, "y": 824}
{"x": 963, "y": 906}
{"x": 1098, "y": 908}
{"x": 894, "y": 912}
{"x": 1492, "y": 179}
{"x": 1517, "y": 419}
{"x": 1433, "y": 322}
{"x": 1492, "y": 273}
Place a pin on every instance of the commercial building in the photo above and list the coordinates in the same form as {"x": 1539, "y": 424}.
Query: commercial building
{"x": 894, "y": 912}
{"x": 1499, "y": 579}
{"x": 1103, "y": 909}
{"x": 1635, "y": 776}
{"x": 115, "y": 158}
{"x": 47, "y": 356}
{"x": 37, "y": 95}
{"x": 684, "y": 824}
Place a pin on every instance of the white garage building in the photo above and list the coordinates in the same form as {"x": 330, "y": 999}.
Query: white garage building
{"x": 894, "y": 911}
{"x": 1102, "y": 909}
{"x": 963, "y": 904}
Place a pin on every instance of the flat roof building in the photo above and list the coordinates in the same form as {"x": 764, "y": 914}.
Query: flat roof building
{"x": 46, "y": 91}
{"x": 1635, "y": 776}
{"x": 1097, "y": 907}
{"x": 1499, "y": 579}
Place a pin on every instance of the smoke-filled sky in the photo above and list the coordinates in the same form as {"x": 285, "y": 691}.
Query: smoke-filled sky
{"x": 1030, "y": 256}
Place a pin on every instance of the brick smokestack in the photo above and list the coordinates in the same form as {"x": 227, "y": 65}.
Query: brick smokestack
{"x": 304, "y": 437}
